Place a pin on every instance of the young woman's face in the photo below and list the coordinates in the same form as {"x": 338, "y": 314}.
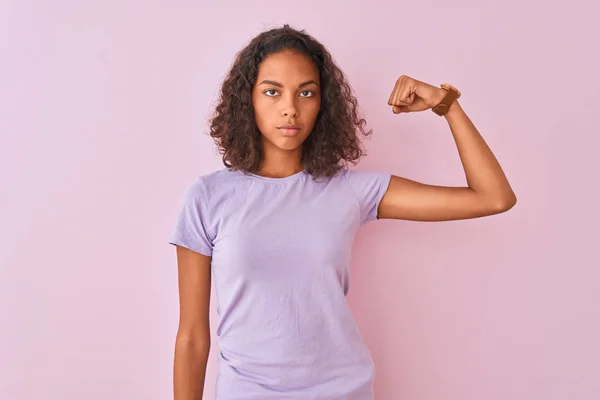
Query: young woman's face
{"x": 287, "y": 92}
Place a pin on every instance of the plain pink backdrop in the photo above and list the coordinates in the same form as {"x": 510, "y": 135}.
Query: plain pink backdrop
{"x": 103, "y": 109}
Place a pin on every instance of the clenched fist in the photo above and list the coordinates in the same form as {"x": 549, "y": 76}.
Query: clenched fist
{"x": 411, "y": 95}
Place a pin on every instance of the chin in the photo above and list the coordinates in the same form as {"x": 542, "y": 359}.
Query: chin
{"x": 289, "y": 144}
{"x": 285, "y": 143}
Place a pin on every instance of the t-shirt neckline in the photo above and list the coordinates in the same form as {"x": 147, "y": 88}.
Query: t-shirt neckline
{"x": 274, "y": 180}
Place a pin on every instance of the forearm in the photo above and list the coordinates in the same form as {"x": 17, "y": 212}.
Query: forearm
{"x": 483, "y": 172}
{"x": 189, "y": 370}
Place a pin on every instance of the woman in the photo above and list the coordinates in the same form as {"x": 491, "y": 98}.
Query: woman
{"x": 274, "y": 228}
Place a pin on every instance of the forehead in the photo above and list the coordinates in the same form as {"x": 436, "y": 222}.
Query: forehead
{"x": 288, "y": 65}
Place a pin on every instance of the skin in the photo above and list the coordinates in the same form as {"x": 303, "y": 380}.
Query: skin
{"x": 192, "y": 344}
{"x": 288, "y": 98}
{"x": 287, "y": 91}
{"x": 487, "y": 192}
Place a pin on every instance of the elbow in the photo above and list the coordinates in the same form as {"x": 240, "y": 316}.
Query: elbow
{"x": 505, "y": 203}
{"x": 195, "y": 342}
{"x": 198, "y": 350}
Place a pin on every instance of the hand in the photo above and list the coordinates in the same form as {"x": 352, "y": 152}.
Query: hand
{"x": 411, "y": 95}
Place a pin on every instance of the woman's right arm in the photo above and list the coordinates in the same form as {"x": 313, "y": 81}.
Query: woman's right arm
{"x": 192, "y": 344}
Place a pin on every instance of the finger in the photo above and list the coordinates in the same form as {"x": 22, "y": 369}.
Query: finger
{"x": 394, "y": 91}
{"x": 407, "y": 94}
{"x": 392, "y": 98}
{"x": 399, "y": 94}
{"x": 401, "y": 109}
{"x": 397, "y": 88}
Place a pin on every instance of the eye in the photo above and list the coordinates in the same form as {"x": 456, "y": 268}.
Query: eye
{"x": 270, "y": 90}
{"x": 309, "y": 93}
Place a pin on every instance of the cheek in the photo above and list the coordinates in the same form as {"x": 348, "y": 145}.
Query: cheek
{"x": 261, "y": 110}
{"x": 312, "y": 109}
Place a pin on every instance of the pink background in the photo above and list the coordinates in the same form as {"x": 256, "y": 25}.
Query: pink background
{"x": 103, "y": 108}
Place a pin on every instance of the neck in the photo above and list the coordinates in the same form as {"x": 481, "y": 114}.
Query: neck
{"x": 281, "y": 163}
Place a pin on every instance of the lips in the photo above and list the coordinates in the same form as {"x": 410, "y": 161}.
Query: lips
{"x": 289, "y": 129}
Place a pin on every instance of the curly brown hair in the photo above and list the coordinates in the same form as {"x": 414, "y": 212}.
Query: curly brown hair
{"x": 332, "y": 144}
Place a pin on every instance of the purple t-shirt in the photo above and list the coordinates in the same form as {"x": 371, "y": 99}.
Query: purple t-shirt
{"x": 280, "y": 252}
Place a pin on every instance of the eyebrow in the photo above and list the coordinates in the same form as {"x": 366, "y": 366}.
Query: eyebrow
{"x": 267, "y": 82}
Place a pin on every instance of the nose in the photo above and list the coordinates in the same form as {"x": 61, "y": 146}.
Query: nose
{"x": 289, "y": 107}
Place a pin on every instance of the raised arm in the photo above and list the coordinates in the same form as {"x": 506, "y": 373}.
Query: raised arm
{"x": 487, "y": 192}
{"x": 192, "y": 344}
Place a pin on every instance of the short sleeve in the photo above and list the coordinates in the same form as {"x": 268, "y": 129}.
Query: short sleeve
{"x": 369, "y": 188}
{"x": 191, "y": 227}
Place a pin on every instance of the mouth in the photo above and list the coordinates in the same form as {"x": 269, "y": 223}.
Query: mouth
{"x": 289, "y": 130}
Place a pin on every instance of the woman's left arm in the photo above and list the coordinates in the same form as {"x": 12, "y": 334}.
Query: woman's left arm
{"x": 488, "y": 191}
